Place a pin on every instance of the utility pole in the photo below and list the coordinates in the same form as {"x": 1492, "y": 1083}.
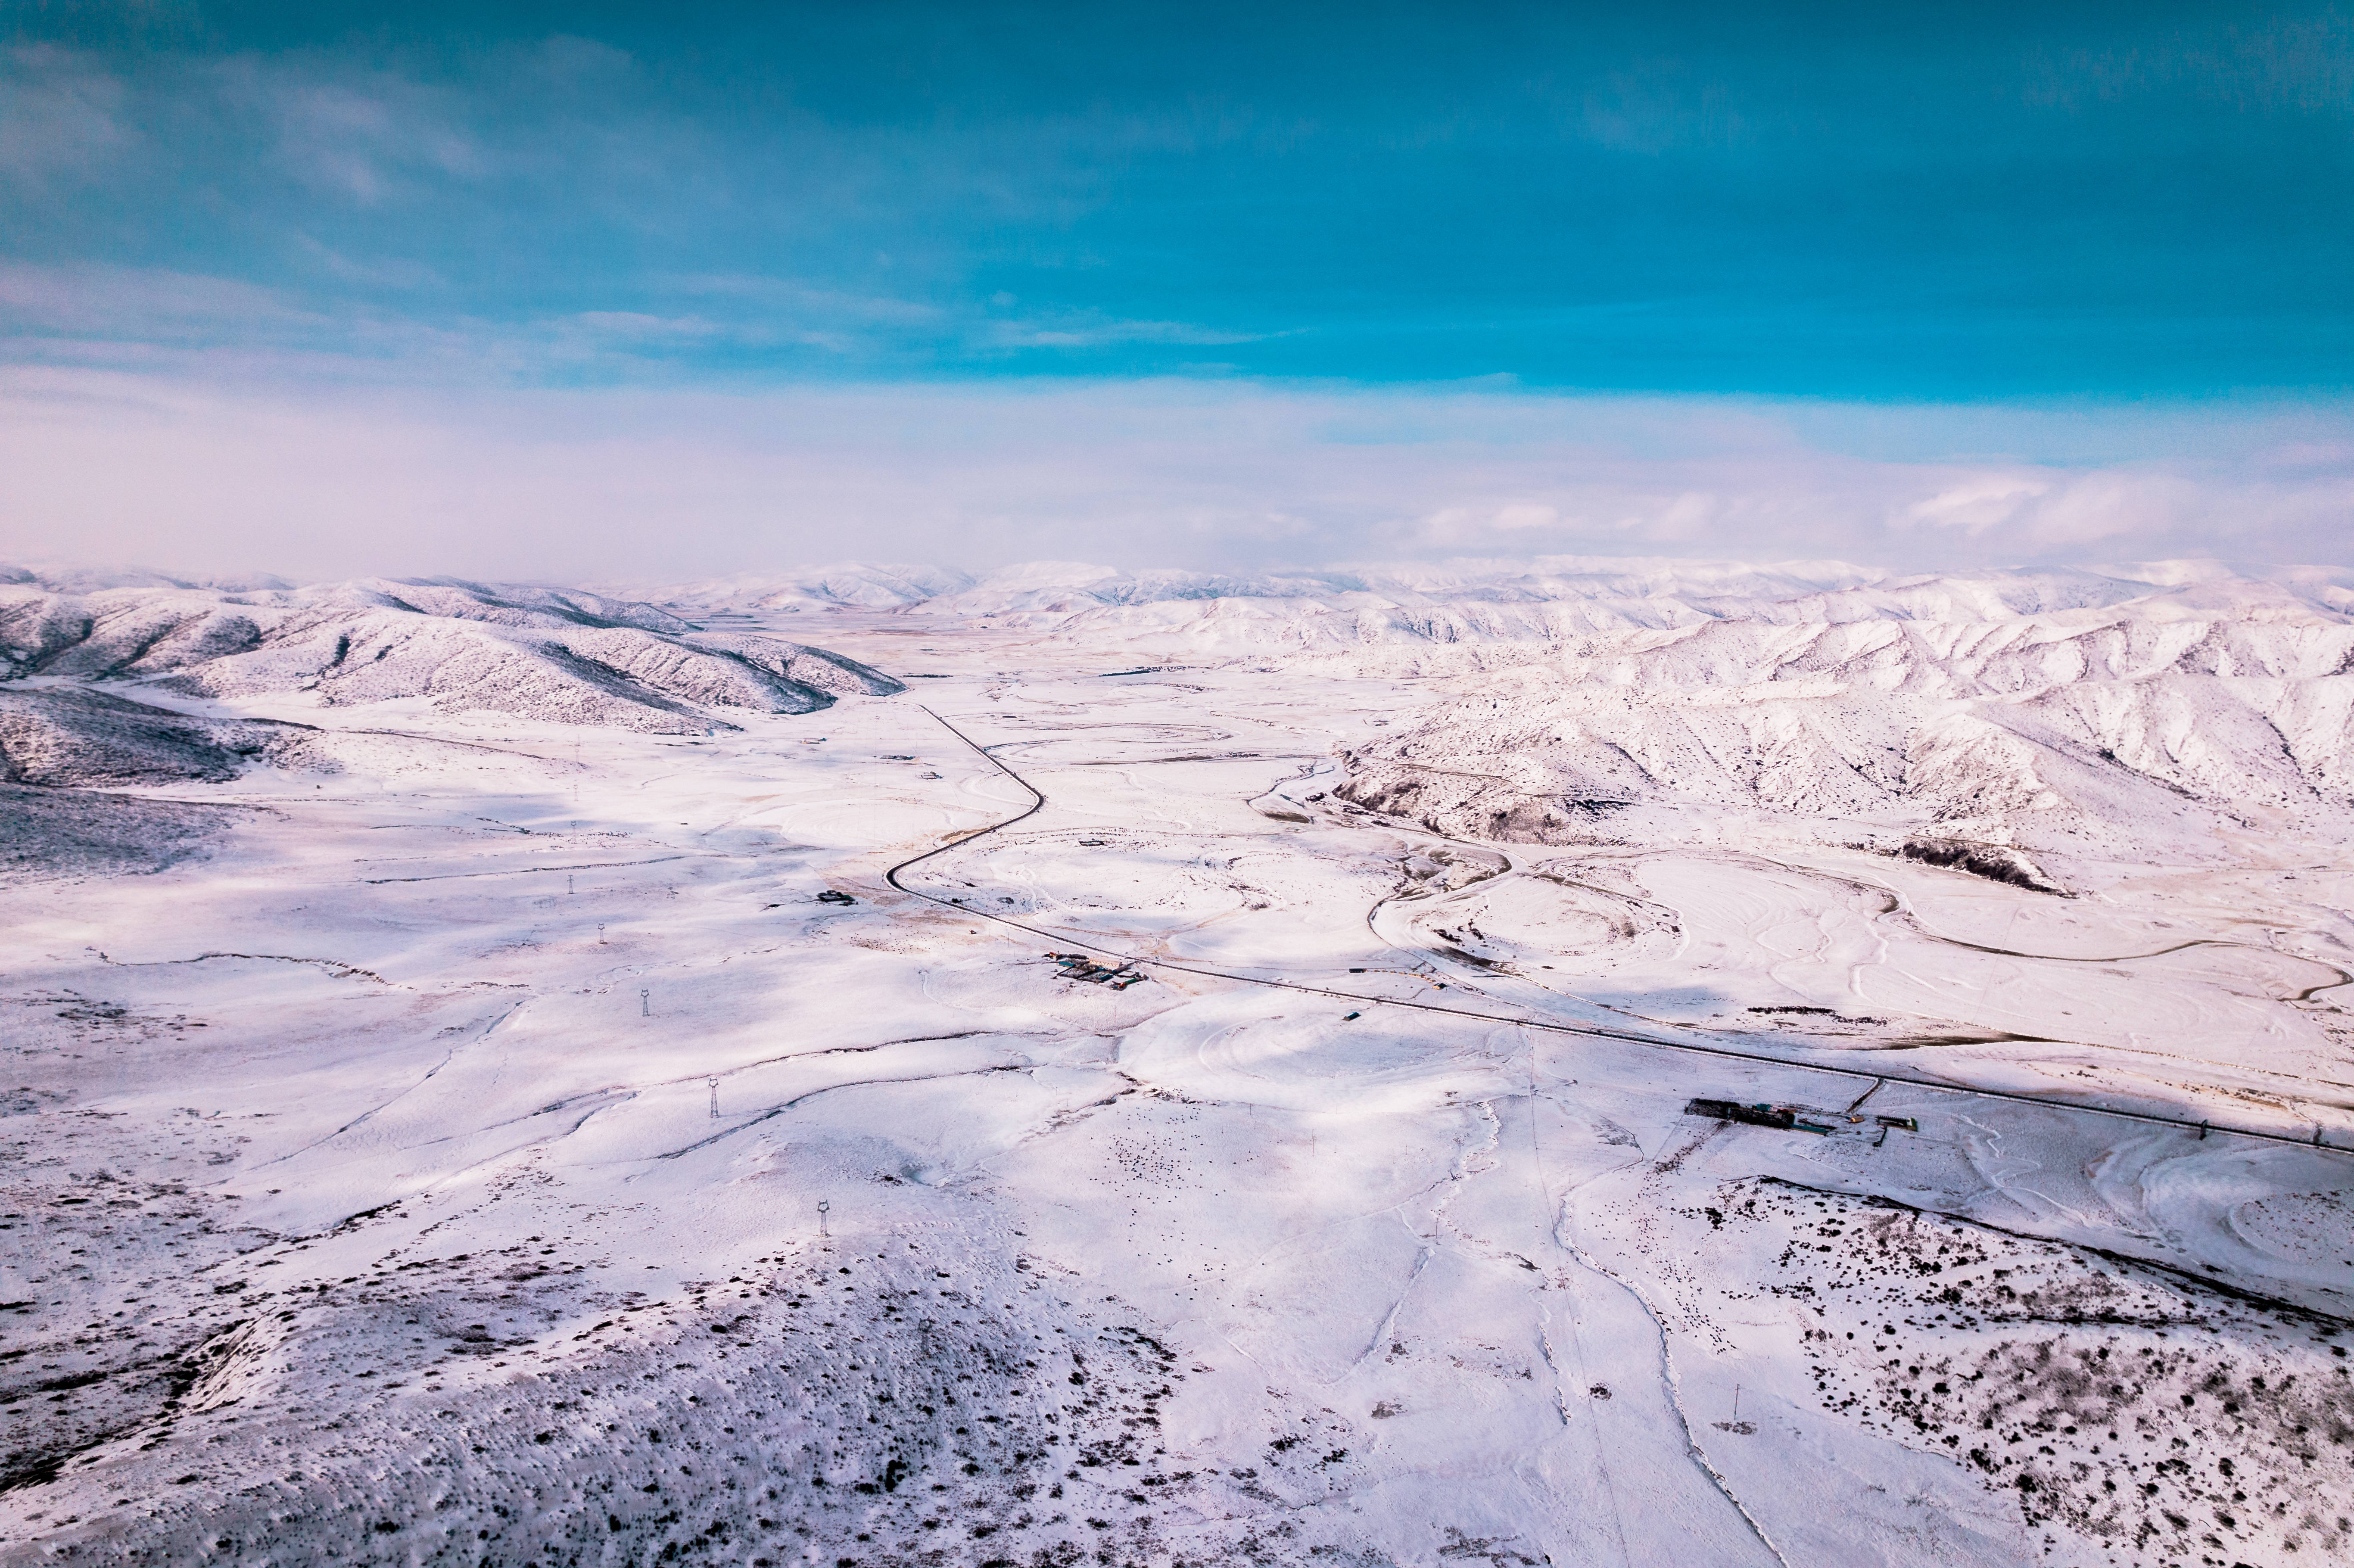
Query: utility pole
{"x": 645, "y": 1006}
{"x": 714, "y": 1099}
{"x": 821, "y": 1207}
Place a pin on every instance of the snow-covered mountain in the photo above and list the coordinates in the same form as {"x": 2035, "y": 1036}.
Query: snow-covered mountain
{"x": 2174, "y": 720}
{"x": 563, "y": 655}
{"x": 1986, "y": 717}
{"x": 2102, "y": 731}
{"x": 2008, "y": 716}
{"x": 1844, "y": 589}
{"x": 1412, "y": 607}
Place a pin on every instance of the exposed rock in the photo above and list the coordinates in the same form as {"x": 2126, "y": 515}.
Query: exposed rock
{"x": 1992, "y": 860}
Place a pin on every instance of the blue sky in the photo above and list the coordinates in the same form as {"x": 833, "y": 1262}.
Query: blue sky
{"x": 2089, "y": 208}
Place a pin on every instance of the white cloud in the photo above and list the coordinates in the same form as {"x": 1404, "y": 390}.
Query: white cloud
{"x": 1978, "y": 504}
{"x": 323, "y": 478}
{"x": 2117, "y": 506}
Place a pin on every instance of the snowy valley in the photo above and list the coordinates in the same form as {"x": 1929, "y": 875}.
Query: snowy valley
{"x": 885, "y": 1065}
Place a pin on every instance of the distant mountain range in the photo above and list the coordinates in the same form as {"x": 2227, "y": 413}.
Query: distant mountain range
{"x": 1624, "y": 590}
{"x": 2180, "y": 709}
{"x": 2175, "y": 709}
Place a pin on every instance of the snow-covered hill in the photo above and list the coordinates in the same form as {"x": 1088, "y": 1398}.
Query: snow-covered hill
{"x": 1833, "y": 590}
{"x": 573, "y": 657}
{"x": 1425, "y": 617}
{"x": 2158, "y": 706}
{"x": 2166, "y": 724}
{"x": 2001, "y": 718}
{"x": 481, "y": 1141}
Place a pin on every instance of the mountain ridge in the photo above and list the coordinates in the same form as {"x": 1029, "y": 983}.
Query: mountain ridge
{"x": 567, "y": 655}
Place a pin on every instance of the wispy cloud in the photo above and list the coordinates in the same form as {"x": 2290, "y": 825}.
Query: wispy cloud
{"x": 2303, "y": 64}
{"x": 150, "y": 304}
{"x": 368, "y": 137}
{"x": 61, "y": 117}
{"x": 1665, "y": 106}
{"x": 1979, "y": 504}
{"x": 1759, "y": 204}
{"x": 381, "y": 273}
{"x": 1091, "y": 329}
{"x": 98, "y": 314}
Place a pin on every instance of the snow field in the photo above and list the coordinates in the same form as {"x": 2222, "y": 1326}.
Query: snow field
{"x": 442, "y": 1149}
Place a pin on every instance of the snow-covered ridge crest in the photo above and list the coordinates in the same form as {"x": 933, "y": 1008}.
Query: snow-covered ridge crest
{"x": 2143, "y": 730}
{"x": 560, "y": 654}
{"x": 1347, "y": 609}
{"x": 2172, "y": 708}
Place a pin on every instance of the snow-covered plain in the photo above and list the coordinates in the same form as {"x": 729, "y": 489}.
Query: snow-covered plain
{"x": 445, "y": 1125}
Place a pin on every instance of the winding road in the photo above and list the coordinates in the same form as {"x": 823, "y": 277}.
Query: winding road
{"x": 1635, "y": 1038}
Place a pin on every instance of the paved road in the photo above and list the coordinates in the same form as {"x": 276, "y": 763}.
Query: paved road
{"x": 1637, "y": 1037}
